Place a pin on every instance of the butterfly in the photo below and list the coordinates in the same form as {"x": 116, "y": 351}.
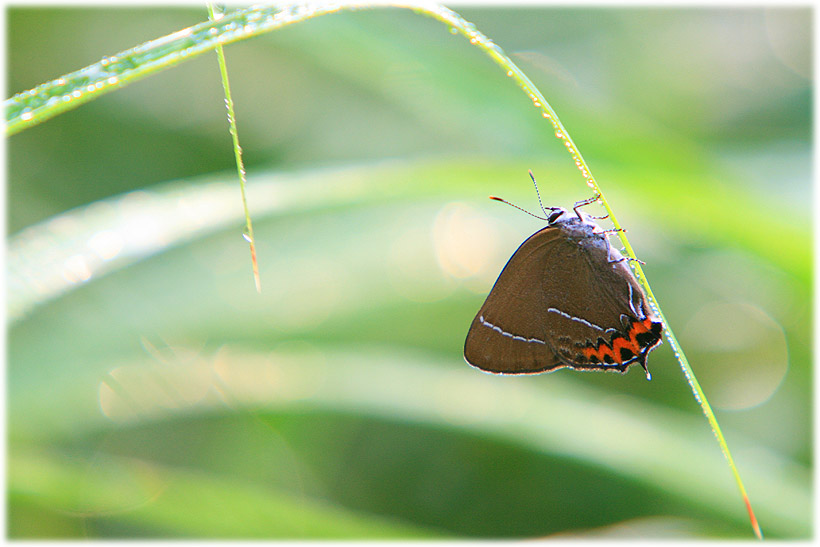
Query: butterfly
{"x": 566, "y": 298}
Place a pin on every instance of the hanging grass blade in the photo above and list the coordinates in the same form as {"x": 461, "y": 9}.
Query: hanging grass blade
{"x": 240, "y": 166}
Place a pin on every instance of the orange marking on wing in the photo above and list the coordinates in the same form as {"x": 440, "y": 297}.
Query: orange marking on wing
{"x": 631, "y": 343}
{"x": 635, "y": 330}
{"x": 599, "y": 352}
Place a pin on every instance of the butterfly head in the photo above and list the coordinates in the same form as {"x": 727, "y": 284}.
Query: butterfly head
{"x": 571, "y": 219}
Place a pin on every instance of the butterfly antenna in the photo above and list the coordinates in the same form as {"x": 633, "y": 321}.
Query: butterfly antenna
{"x": 517, "y": 207}
{"x": 537, "y": 193}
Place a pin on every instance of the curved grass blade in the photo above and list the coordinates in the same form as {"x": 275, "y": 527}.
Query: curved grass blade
{"x": 538, "y": 100}
{"x": 36, "y": 105}
{"x": 67, "y": 92}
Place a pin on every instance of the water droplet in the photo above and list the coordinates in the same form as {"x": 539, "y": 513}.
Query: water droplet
{"x": 26, "y": 115}
{"x": 559, "y": 134}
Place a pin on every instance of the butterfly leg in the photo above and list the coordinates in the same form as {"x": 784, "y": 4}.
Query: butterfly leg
{"x": 605, "y": 234}
{"x": 584, "y": 202}
{"x": 627, "y": 259}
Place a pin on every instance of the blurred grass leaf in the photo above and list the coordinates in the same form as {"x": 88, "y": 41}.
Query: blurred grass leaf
{"x": 391, "y": 386}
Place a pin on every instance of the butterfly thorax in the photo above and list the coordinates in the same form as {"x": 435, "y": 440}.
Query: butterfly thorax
{"x": 581, "y": 229}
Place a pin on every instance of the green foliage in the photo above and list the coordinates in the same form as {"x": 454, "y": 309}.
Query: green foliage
{"x": 167, "y": 399}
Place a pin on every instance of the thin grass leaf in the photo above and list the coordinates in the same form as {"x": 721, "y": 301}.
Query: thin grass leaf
{"x": 237, "y": 150}
{"x": 561, "y": 133}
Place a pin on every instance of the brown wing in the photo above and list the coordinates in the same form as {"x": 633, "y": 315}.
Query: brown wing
{"x": 508, "y": 334}
{"x": 597, "y": 316}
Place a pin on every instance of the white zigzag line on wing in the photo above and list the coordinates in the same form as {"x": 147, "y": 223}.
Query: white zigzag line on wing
{"x": 511, "y": 335}
{"x": 584, "y": 321}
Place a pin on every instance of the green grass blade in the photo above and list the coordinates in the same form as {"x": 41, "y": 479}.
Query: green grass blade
{"x": 67, "y": 92}
{"x": 237, "y": 150}
{"x": 49, "y": 99}
{"x": 540, "y": 102}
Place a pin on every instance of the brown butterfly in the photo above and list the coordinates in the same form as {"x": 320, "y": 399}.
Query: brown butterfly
{"x": 566, "y": 298}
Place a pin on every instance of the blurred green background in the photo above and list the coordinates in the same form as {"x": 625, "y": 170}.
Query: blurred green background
{"x": 166, "y": 399}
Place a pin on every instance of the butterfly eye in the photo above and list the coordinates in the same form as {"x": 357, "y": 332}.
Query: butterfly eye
{"x": 555, "y": 215}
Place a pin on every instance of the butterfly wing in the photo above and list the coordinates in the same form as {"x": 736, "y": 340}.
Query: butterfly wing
{"x": 508, "y": 334}
{"x": 562, "y": 301}
{"x": 597, "y": 314}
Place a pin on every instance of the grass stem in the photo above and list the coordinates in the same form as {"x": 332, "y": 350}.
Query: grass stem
{"x": 240, "y": 166}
